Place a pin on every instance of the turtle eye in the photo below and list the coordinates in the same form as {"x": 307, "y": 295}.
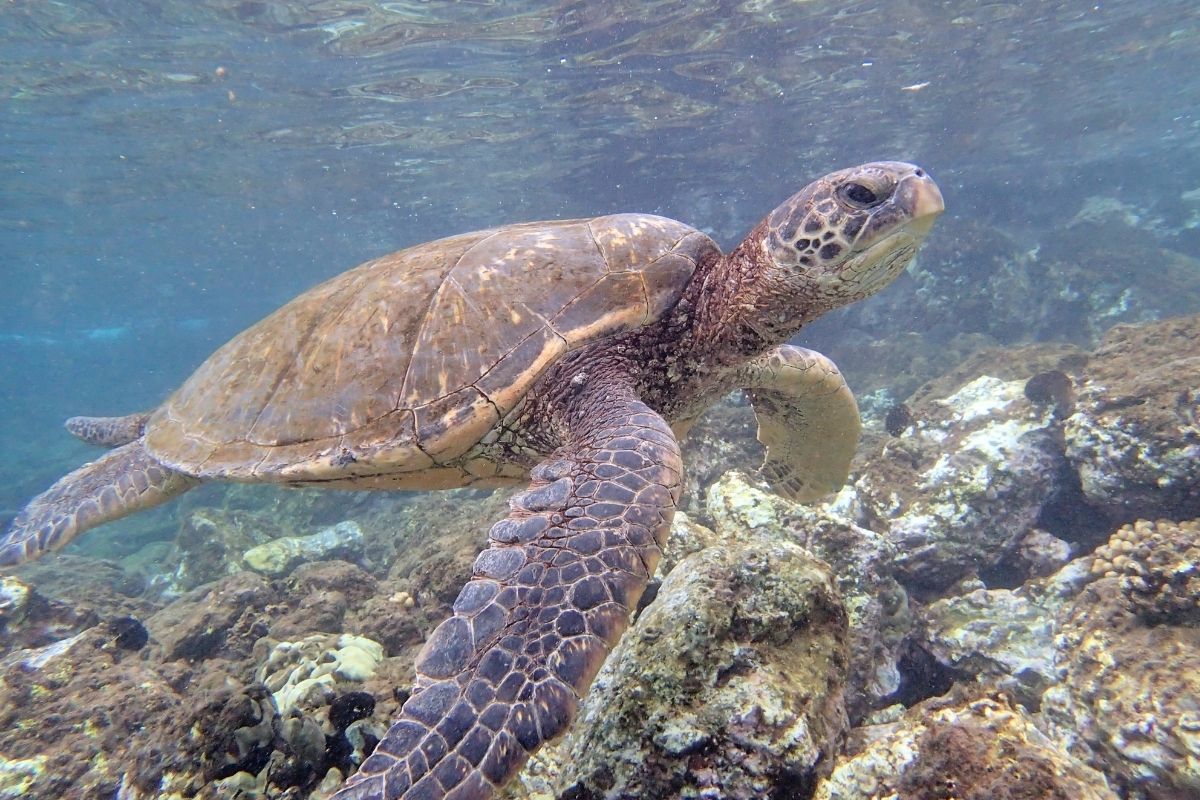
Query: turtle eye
{"x": 858, "y": 196}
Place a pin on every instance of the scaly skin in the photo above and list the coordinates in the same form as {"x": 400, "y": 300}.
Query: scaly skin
{"x": 108, "y": 431}
{"x": 547, "y": 601}
{"x": 107, "y": 488}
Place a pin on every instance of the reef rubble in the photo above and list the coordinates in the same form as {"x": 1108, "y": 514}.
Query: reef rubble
{"x": 1002, "y": 602}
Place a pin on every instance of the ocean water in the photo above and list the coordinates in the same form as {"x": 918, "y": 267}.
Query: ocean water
{"x": 170, "y": 172}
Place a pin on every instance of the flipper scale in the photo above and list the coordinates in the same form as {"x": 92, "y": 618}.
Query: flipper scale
{"x": 547, "y": 601}
{"x": 122, "y": 481}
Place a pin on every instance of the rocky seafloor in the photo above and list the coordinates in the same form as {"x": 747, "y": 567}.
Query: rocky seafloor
{"x": 1003, "y": 603}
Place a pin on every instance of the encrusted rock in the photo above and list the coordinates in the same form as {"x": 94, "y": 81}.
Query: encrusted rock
{"x": 981, "y": 750}
{"x": 1127, "y": 702}
{"x": 1135, "y": 438}
{"x": 998, "y": 635}
{"x": 685, "y": 537}
{"x": 211, "y": 542}
{"x": 862, "y": 565}
{"x": 967, "y": 485}
{"x": 729, "y": 685}
{"x": 280, "y": 556}
{"x": 223, "y": 619}
{"x": 66, "y": 714}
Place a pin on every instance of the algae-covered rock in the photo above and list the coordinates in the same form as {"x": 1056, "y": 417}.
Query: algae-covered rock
{"x": 997, "y": 635}
{"x": 210, "y": 544}
{"x": 73, "y": 714}
{"x": 685, "y": 537}
{"x": 729, "y": 685}
{"x": 280, "y": 556}
{"x": 1135, "y": 438}
{"x": 862, "y": 562}
{"x": 981, "y": 750}
{"x": 960, "y": 492}
{"x": 1128, "y": 699}
{"x": 222, "y": 619}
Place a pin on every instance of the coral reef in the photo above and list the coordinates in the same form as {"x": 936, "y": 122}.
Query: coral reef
{"x": 984, "y": 749}
{"x": 1159, "y": 565}
{"x": 986, "y": 567}
{"x": 730, "y": 684}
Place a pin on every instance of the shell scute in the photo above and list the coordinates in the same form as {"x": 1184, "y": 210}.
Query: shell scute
{"x": 404, "y": 363}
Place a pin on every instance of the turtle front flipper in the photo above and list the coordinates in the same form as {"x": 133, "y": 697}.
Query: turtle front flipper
{"x": 124, "y": 480}
{"x": 108, "y": 431}
{"x": 807, "y": 419}
{"x": 547, "y": 601}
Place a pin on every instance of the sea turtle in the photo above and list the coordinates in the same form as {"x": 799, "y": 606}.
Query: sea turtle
{"x": 567, "y": 354}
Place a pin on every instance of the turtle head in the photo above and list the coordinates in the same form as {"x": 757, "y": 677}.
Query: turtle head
{"x": 847, "y": 235}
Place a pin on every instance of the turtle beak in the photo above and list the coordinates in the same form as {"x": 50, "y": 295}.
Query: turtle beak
{"x": 921, "y": 196}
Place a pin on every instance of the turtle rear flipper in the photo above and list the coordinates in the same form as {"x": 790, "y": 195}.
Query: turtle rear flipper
{"x": 108, "y": 431}
{"x": 547, "y": 602}
{"x": 124, "y": 480}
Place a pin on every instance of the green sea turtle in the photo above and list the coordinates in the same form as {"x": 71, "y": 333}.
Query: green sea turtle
{"x": 566, "y": 354}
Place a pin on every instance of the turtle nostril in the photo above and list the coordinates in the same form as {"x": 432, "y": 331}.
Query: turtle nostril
{"x": 920, "y": 173}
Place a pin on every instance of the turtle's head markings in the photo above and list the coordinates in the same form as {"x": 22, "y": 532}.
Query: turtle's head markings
{"x": 848, "y": 234}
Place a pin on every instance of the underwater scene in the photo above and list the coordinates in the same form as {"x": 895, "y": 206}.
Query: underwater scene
{"x": 566, "y": 498}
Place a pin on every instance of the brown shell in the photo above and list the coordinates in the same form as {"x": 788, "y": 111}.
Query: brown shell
{"x": 403, "y": 363}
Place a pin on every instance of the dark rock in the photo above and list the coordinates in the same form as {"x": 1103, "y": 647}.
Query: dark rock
{"x": 128, "y": 633}
{"x": 350, "y": 707}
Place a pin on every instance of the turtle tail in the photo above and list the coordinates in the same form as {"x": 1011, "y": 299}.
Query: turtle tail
{"x": 124, "y": 480}
{"x": 108, "y": 431}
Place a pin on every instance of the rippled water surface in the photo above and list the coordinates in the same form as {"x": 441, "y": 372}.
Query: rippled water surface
{"x": 170, "y": 172}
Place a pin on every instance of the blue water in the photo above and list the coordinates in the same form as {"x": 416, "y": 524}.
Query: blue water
{"x": 170, "y": 172}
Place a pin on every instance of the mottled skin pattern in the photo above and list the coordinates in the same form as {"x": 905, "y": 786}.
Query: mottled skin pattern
{"x": 548, "y": 600}
{"x": 584, "y": 399}
{"x": 108, "y": 431}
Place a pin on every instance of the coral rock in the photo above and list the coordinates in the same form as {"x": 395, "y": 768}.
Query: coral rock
{"x": 1128, "y": 698}
{"x": 1159, "y": 566}
{"x": 729, "y": 685}
{"x": 862, "y": 562}
{"x": 981, "y": 750}
{"x": 279, "y": 556}
{"x": 1135, "y": 437}
{"x": 966, "y": 487}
